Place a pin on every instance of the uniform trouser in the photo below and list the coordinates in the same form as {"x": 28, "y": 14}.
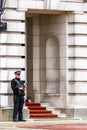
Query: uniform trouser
{"x": 18, "y": 107}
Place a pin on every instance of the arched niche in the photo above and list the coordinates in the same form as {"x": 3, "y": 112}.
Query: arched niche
{"x": 52, "y": 65}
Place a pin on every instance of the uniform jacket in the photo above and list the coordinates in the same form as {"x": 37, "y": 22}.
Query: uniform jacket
{"x": 15, "y": 84}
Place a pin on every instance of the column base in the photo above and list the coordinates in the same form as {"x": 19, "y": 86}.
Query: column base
{"x": 77, "y": 113}
{"x": 6, "y": 113}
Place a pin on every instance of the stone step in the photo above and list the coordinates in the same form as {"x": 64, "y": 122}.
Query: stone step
{"x": 46, "y": 119}
{"x": 36, "y": 108}
{"x": 59, "y": 111}
{"x": 39, "y": 111}
{"x": 32, "y": 104}
{"x": 45, "y": 104}
{"x": 42, "y": 115}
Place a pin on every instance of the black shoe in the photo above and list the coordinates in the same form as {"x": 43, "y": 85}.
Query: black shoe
{"x": 15, "y": 120}
{"x": 22, "y": 120}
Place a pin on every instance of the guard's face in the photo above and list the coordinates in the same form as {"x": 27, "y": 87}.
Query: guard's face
{"x": 17, "y": 76}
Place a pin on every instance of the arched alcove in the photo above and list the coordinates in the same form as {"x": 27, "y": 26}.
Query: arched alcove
{"x": 52, "y": 65}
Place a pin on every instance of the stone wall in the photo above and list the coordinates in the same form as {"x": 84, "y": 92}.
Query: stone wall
{"x": 12, "y": 46}
{"x": 77, "y": 54}
{"x": 70, "y": 29}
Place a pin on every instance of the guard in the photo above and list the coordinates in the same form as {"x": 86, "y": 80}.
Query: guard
{"x": 18, "y": 96}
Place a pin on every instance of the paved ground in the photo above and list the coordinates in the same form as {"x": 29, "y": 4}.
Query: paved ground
{"x": 48, "y": 124}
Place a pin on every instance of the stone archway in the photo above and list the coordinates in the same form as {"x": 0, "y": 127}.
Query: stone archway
{"x": 52, "y": 65}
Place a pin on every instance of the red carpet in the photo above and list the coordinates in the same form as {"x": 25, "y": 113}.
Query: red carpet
{"x": 38, "y": 111}
{"x": 57, "y": 127}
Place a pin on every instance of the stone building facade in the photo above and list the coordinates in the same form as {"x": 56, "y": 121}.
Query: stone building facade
{"x": 47, "y": 41}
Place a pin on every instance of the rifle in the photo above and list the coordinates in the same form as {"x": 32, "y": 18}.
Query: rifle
{"x": 21, "y": 87}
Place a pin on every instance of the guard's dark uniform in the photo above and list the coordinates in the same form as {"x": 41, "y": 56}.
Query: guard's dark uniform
{"x": 18, "y": 97}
